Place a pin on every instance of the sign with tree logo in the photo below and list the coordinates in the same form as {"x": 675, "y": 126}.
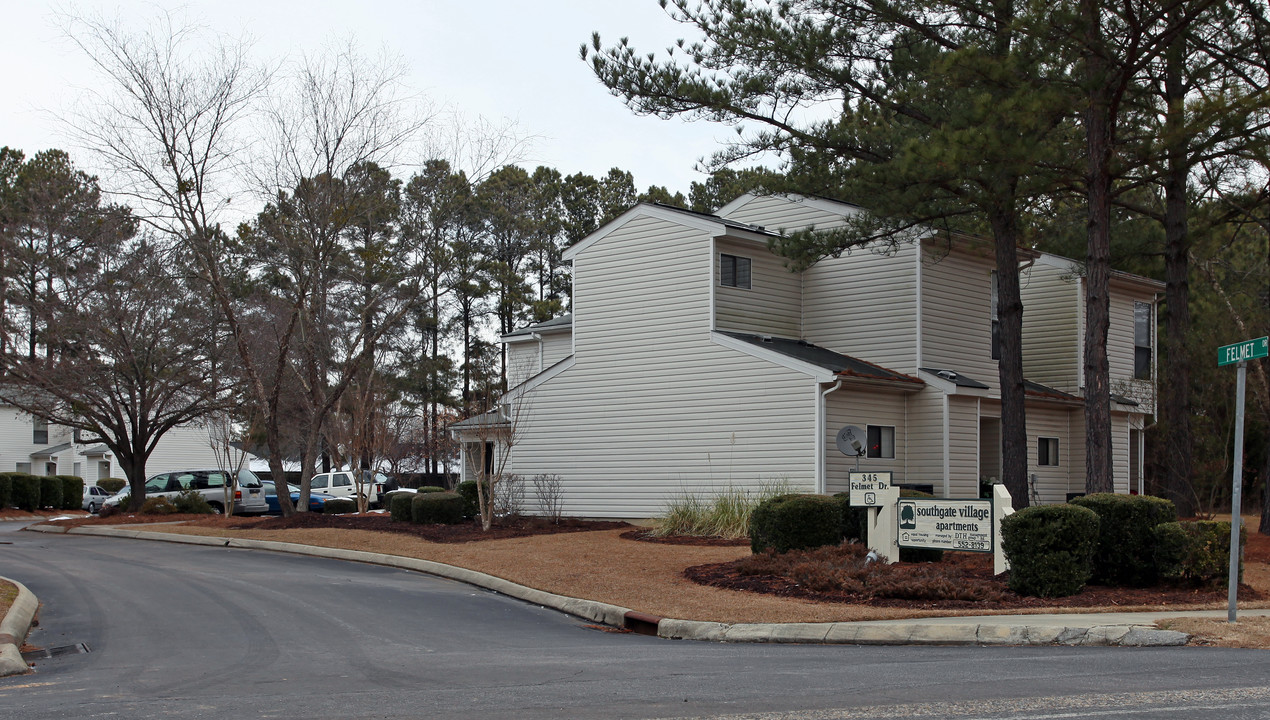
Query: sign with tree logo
{"x": 946, "y": 524}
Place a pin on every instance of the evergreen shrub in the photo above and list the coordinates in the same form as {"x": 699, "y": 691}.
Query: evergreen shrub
{"x": 192, "y": 502}
{"x": 26, "y": 491}
{"x": 437, "y": 508}
{"x": 399, "y": 506}
{"x": 434, "y": 489}
{"x": 855, "y": 520}
{"x": 1126, "y": 536}
{"x": 112, "y": 485}
{"x": 471, "y": 502}
{"x": 50, "y": 492}
{"x": 339, "y": 506}
{"x": 795, "y": 522}
{"x": 1050, "y": 549}
{"x": 1196, "y": 552}
{"x": 72, "y": 492}
{"x": 157, "y": 506}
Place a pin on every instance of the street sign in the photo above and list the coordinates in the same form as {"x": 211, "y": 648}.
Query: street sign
{"x": 946, "y": 524}
{"x": 864, "y": 487}
{"x": 1246, "y": 350}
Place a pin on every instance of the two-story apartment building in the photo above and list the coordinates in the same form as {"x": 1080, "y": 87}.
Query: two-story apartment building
{"x": 29, "y": 444}
{"x": 695, "y": 360}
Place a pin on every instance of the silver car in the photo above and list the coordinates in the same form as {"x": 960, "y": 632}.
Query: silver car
{"x": 249, "y": 497}
{"x": 94, "y": 497}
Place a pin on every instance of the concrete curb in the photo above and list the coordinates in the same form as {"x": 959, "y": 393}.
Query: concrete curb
{"x": 913, "y": 632}
{"x": 14, "y": 628}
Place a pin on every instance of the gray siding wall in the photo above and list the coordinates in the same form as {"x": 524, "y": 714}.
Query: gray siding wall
{"x": 963, "y": 446}
{"x": 925, "y": 437}
{"x": 864, "y": 305}
{"x": 1053, "y": 482}
{"x": 522, "y": 361}
{"x": 1120, "y": 348}
{"x": 956, "y": 314}
{"x": 1052, "y": 308}
{"x": 556, "y": 346}
{"x": 772, "y": 305}
{"x": 652, "y": 407}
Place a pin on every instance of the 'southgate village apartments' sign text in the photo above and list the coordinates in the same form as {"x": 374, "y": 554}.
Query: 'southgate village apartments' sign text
{"x": 946, "y": 524}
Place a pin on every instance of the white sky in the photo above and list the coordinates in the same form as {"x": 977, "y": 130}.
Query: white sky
{"x": 501, "y": 59}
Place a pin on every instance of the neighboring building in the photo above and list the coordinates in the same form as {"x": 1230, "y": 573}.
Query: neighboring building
{"x": 694, "y": 360}
{"x": 32, "y": 445}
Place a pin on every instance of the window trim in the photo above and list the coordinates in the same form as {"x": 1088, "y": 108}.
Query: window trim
{"x": 1051, "y": 457}
{"x": 1142, "y": 365}
{"x": 736, "y": 271}
{"x": 868, "y": 449}
{"x": 39, "y": 431}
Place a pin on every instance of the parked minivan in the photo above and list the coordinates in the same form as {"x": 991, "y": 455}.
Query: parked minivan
{"x": 249, "y": 498}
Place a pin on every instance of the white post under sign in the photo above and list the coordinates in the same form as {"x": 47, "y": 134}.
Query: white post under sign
{"x": 1238, "y": 354}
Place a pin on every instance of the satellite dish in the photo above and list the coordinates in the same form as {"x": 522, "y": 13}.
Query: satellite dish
{"x": 851, "y": 441}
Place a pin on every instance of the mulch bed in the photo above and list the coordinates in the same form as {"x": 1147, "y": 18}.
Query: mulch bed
{"x": 970, "y": 566}
{"x": 644, "y": 535}
{"x": 465, "y": 532}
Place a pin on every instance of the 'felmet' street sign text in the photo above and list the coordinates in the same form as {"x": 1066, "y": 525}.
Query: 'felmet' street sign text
{"x": 1246, "y": 350}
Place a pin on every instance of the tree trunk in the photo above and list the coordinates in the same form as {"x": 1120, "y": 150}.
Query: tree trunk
{"x": 1099, "y": 138}
{"x": 1014, "y": 446}
{"x": 1176, "y": 402}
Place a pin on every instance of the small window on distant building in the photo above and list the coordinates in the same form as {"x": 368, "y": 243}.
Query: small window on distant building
{"x": 996, "y": 320}
{"x": 40, "y": 432}
{"x": 24, "y": 468}
{"x": 1047, "y": 451}
{"x": 881, "y": 441}
{"x": 734, "y": 271}
{"x": 1142, "y": 341}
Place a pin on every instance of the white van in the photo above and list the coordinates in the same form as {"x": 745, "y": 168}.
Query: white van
{"x": 249, "y": 498}
{"x": 343, "y": 484}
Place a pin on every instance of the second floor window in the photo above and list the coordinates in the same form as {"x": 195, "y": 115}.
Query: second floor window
{"x": 881, "y": 441}
{"x": 1141, "y": 341}
{"x": 40, "y": 432}
{"x": 734, "y": 271}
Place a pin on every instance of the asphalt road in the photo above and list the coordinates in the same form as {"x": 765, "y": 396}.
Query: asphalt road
{"x": 178, "y": 631}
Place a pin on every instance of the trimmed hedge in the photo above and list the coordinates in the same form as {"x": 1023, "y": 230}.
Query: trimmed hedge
{"x": 399, "y": 506}
{"x": 1196, "y": 552}
{"x": 855, "y": 520}
{"x": 72, "y": 492}
{"x": 1050, "y": 548}
{"x": 50, "y": 492}
{"x": 157, "y": 506}
{"x": 1126, "y": 536}
{"x": 112, "y": 485}
{"x": 437, "y": 508}
{"x": 435, "y": 489}
{"x": 339, "y": 506}
{"x": 6, "y": 491}
{"x": 795, "y": 522}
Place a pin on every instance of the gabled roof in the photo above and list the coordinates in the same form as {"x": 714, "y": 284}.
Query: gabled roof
{"x": 701, "y": 221}
{"x": 1036, "y": 389}
{"x": 50, "y": 451}
{"x": 556, "y": 324}
{"x": 837, "y": 363}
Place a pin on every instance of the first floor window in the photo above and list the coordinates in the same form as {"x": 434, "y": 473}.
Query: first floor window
{"x": 1047, "y": 451}
{"x": 881, "y": 441}
{"x": 24, "y": 468}
{"x": 734, "y": 271}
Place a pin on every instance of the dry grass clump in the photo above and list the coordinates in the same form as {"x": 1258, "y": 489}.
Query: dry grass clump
{"x": 1248, "y": 632}
{"x": 846, "y": 569}
{"x": 724, "y": 514}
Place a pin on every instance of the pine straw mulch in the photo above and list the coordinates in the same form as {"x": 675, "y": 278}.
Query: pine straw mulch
{"x": 962, "y": 581}
{"x": 381, "y": 522}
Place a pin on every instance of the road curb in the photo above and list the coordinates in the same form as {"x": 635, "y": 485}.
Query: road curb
{"x": 14, "y": 628}
{"x": 892, "y": 632}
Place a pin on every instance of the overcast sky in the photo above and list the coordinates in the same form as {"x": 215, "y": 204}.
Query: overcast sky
{"x": 500, "y": 59}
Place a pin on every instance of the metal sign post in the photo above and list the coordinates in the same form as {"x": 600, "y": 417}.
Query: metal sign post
{"x": 1240, "y": 354}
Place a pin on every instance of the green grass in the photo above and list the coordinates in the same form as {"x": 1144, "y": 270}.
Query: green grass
{"x": 8, "y": 593}
{"x": 723, "y": 514}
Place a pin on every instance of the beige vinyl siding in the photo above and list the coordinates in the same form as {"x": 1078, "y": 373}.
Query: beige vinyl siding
{"x": 1120, "y": 349}
{"x": 1076, "y": 470}
{"x": 990, "y": 440}
{"x": 772, "y": 305}
{"x": 864, "y": 305}
{"x": 851, "y": 406}
{"x": 522, "y": 361}
{"x": 1051, "y": 326}
{"x": 182, "y": 448}
{"x": 1120, "y": 452}
{"x": 556, "y": 346}
{"x": 956, "y": 314}
{"x": 776, "y": 213}
{"x": 963, "y": 455}
{"x": 925, "y": 438}
{"x": 1052, "y": 482}
{"x": 652, "y": 408}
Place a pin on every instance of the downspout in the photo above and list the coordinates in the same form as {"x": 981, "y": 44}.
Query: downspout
{"x": 821, "y": 422}
{"x": 538, "y": 337}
